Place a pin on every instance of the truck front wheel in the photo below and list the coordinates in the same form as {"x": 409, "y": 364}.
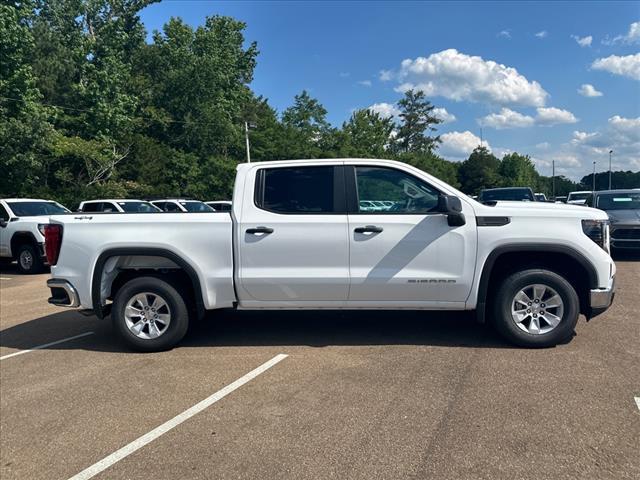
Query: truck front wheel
{"x": 149, "y": 314}
{"x": 536, "y": 308}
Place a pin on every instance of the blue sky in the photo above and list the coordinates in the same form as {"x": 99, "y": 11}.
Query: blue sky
{"x": 557, "y": 81}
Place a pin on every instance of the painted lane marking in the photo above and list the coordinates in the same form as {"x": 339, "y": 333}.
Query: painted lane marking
{"x": 637, "y": 402}
{"x": 40, "y": 347}
{"x": 5, "y": 278}
{"x": 140, "y": 442}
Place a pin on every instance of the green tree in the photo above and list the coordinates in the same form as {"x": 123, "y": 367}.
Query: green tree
{"x": 518, "y": 171}
{"x": 366, "y": 134}
{"x": 480, "y": 170}
{"x": 416, "y": 120}
{"x": 307, "y": 131}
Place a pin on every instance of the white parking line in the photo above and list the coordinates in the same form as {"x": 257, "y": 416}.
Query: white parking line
{"x": 5, "y": 278}
{"x": 637, "y": 399}
{"x": 40, "y": 347}
{"x": 174, "y": 422}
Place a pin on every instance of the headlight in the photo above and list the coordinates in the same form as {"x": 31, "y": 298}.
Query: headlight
{"x": 598, "y": 231}
{"x": 41, "y": 228}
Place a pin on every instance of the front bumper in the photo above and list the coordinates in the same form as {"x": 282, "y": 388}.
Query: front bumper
{"x": 600, "y": 299}
{"x": 63, "y": 294}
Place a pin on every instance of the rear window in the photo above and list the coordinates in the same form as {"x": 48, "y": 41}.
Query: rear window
{"x": 507, "y": 194}
{"x": 302, "y": 190}
{"x": 34, "y": 209}
{"x": 579, "y": 196}
{"x": 137, "y": 207}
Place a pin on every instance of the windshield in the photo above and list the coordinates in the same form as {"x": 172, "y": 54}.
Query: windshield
{"x": 511, "y": 194}
{"x": 579, "y": 196}
{"x": 196, "y": 207}
{"x": 619, "y": 201}
{"x": 139, "y": 207}
{"x": 35, "y": 209}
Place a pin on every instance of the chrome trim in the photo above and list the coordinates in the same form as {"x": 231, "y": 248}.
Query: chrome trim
{"x": 74, "y": 299}
{"x": 602, "y": 297}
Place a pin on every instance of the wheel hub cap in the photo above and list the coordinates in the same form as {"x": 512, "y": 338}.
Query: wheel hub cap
{"x": 147, "y": 315}
{"x": 537, "y": 309}
{"x": 26, "y": 260}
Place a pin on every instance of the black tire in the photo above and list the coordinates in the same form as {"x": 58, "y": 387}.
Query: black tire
{"x": 506, "y": 325}
{"x": 29, "y": 259}
{"x": 179, "y": 314}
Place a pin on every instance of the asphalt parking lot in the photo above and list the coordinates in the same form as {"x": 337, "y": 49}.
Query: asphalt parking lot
{"x": 358, "y": 395}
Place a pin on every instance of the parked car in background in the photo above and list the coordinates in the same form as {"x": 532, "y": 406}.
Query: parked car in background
{"x": 578, "y": 198}
{"x": 561, "y": 199}
{"x": 623, "y": 208}
{"x": 299, "y": 239}
{"x": 516, "y": 194}
{"x": 220, "y": 205}
{"x": 540, "y": 197}
{"x": 114, "y": 206}
{"x": 22, "y": 222}
{"x": 182, "y": 205}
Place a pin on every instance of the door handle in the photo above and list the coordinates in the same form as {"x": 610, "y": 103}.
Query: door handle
{"x": 368, "y": 229}
{"x": 255, "y": 231}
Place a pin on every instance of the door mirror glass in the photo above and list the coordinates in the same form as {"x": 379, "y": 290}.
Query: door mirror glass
{"x": 452, "y": 207}
{"x": 3, "y": 223}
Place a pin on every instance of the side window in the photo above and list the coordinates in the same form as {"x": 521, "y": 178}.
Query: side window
{"x": 297, "y": 190}
{"x": 386, "y": 190}
{"x": 108, "y": 207}
{"x": 4, "y": 215}
{"x": 160, "y": 205}
{"x": 92, "y": 207}
{"x": 171, "y": 207}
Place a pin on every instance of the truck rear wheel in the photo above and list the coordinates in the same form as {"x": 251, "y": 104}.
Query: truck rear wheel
{"x": 536, "y": 308}
{"x": 149, "y": 314}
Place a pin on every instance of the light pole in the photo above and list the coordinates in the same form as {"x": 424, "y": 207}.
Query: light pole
{"x": 248, "y": 125}
{"x": 594, "y": 176}
{"x": 553, "y": 180}
{"x": 610, "y": 152}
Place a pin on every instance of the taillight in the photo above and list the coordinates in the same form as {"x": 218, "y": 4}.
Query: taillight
{"x": 52, "y": 242}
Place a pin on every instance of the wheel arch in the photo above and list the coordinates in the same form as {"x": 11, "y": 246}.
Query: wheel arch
{"x": 20, "y": 238}
{"x": 96, "y": 281}
{"x": 561, "y": 259}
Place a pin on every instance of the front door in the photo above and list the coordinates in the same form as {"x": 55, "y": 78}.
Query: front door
{"x": 403, "y": 252}
{"x": 292, "y": 238}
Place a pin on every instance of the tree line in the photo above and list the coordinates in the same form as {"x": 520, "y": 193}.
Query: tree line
{"x": 89, "y": 108}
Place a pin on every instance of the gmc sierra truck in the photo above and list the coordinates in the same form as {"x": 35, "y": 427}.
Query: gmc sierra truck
{"x": 298, "y": 238}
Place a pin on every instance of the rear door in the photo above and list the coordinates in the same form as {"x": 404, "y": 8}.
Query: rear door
{"x": 5, "y": 241}
{"x": 292, "y": 238}
{"x": 405, "y": 254}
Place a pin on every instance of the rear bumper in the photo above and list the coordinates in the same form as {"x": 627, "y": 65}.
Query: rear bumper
{"x": 600, "y": 299}
{"x": 63, "y": 294}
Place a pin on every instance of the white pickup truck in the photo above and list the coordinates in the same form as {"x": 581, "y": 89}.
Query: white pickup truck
{"x": 298, "y": 238}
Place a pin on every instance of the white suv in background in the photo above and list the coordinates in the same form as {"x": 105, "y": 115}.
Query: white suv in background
{"x": 220, "y": 205}
{"x": 579, "y": 198}
{"x": 117, "y": 206}
{"x": 182, "y": 205}
{"x": 22, "y": 222}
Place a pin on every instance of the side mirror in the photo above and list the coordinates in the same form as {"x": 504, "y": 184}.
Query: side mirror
{"x": 3, "y": 223}
{"x": 452, "y": 207}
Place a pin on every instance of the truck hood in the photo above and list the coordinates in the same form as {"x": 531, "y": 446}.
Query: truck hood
{"x": 624, "y": 216}
{"x": 541, "y": 209}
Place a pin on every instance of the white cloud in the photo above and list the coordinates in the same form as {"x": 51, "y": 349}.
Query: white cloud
{"x": 504, "y": 34}
{"x": 443, "y": 115}
{"x": 508, "y": 118}
{"x": 365, "y": 83}
{"x": 458, "y": 145}
{"x": 632, "y": 36}
{"x": 588, "y": 90}
{"x": 385, "y": 110}
{"x": 385, "y": 75}
{"x": 542, "y": 34}
{"x": 458, "y": 76}
{"x": 543, "y": 145}
{"x": 583, "y": 41}
{"x": 628, "y": 66}
{"x": 629, "y": 128}
{"x": 584, "y": 137}
{"x": 553, "y": 116}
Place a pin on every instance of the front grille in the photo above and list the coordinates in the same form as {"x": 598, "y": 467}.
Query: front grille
{"x": 626, "y": 233}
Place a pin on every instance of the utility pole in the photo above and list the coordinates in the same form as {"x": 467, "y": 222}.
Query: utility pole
{"x": 594, "y": 176}
{"x": 610, "y": 152}
{"x": 246, "y": 139}
{"x": 553, "y": 179}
